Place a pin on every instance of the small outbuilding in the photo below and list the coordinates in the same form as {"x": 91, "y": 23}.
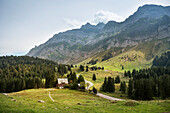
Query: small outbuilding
{"x": 62, "y": 82}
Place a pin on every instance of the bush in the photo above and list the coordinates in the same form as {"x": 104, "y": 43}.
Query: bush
{"x": 131, "y": 103}
{"x": 67, "y": 86}
{"x": 94, "y": 90}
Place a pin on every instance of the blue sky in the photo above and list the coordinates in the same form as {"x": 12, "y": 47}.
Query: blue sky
{"x": 26, "y": 23}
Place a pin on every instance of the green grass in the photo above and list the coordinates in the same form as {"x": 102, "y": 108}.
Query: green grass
{"x": 67, "y": 101}
{"x": 100, "y": 75}
{"x": 116, "y": 62}
{"x": 145, "y": 54}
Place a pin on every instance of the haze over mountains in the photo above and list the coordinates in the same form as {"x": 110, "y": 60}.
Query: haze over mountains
{"x": 149, "y": 25}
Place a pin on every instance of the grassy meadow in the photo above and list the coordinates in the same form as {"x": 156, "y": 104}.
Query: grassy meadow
{"x": 71, "y": 101}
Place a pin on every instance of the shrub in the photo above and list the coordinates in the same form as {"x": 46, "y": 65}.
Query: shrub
{"x": 131, "y": 103}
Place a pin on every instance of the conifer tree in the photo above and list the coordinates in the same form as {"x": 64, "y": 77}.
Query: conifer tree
{"x": 117, "y": 79}
{"x": 130, "y": 88}
{"x": 125, "y": 74}
{"x": 123, "y": 87}
{"x": 94, "y": 90}
{"x": 94, "y": 77}
{"x": 110, "y": 85}
{"x": 104, "y": 86}
{"x": 87, "y": 68}
{"x": 2, "y": 86}
{"x": 23, "y": 84}
{"x": 80, "y": 79}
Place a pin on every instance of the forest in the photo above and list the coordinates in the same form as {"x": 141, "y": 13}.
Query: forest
{"x": 23, "y": 72}
{"x": 154, "y": 82}
{"x": 147, "y": 84}
{"x": 163, "y": 60}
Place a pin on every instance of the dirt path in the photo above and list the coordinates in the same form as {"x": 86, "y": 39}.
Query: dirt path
{"x": 87, "y": 82}
{"x": 51, "y": 97}
{"x": 100, "y": 94}
{"x": 109, "y": 97}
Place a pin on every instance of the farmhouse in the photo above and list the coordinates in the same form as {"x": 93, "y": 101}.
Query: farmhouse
{"x": 62, "y": 82}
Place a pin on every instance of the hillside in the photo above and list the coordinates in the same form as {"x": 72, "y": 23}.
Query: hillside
{"x": 149, "y": 23}
{"x": 138, "y": 57}
{"x": 163, "y": 60}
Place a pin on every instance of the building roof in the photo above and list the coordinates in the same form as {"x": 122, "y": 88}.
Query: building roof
{"x": 62, "y": 80}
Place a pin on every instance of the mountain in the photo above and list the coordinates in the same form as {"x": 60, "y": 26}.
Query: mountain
{"x": 149, "y": 25}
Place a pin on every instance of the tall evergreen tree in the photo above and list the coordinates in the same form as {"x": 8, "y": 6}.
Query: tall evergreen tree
{"x": 87, "y": 68}
{"x": 110, "y": 85}
{"x": 81, "y": 67}
{"x": 123, "y": 87}
{"x": 130, "y": 88}
{"x": 125, "y": 74}
{"x": 117, "y": 79}
{"x": 104, "y": 86}
{"x": 94, "y": 77}
{"x": 2, "y": 85}
{"x": 80, "y": 79}
{"x": 94, "y": 90}
{"x": 23, "y": 84}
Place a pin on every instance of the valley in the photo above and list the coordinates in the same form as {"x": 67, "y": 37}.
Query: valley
{"x": 111, "y": 67}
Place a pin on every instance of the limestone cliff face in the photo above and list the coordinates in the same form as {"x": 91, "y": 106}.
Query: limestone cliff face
{"x": 149, "y": 22}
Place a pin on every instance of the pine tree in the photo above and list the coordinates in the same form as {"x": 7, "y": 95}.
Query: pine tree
{"x": 113, "y": 82}
{"x": 94, "y": 90}
{"x": 129, "y": 74}
{"x": 130, "y": 88}
{"x": 110, "y": 85}
{"x": 104, "y": 86}
{"x": 23, "y": 84}
{"x": 72, "y": 66}
{"x": 81, "y": 68}
{"x": 117, "y": 79}
{"x": 73, "y": 76}
{"x": 125, "y": 74}
{"x": 69, "y": 67}
{"x": 122, "y": 67}
{"x": 94, "y": 77}
{"x": 133, "y": 72}
{"x": 87, "y": 68}
{"x": 3, "y": 86}
{"x": 123, "y": 87}
{"x": 80, "y": 79}
{"x": 149, "y": 90}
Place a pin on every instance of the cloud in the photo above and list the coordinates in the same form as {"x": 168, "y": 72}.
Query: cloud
{"x": 105, "y": 16}
{"x": 99, "y": 16}
{"x": 73, "y": 23}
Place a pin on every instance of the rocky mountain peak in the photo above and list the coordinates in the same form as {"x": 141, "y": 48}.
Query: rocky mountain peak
{"x": 149, "y": 22}
{"x": 149, "y": 11}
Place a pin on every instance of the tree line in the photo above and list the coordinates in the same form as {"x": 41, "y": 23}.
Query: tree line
{"x": 163, "y": 60}
{"x": 147, "y": 84}
{"x": 108, "y": 85}
{"x": 6, "y": 61}
{"x": 82, "y": 68}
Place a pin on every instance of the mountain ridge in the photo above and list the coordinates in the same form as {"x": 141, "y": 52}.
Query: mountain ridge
{"x": 74, "y": 46}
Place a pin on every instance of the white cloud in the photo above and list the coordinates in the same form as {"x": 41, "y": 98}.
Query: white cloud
{"x": 73, "y": 23}
{"x": 105, "y": 16}
{"x": 99, "y": 16}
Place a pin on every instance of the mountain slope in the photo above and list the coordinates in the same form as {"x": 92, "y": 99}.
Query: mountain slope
{"x": 149, "y": 22}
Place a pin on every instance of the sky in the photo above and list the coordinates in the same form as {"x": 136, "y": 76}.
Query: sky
{"x": 25, "y": 24}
